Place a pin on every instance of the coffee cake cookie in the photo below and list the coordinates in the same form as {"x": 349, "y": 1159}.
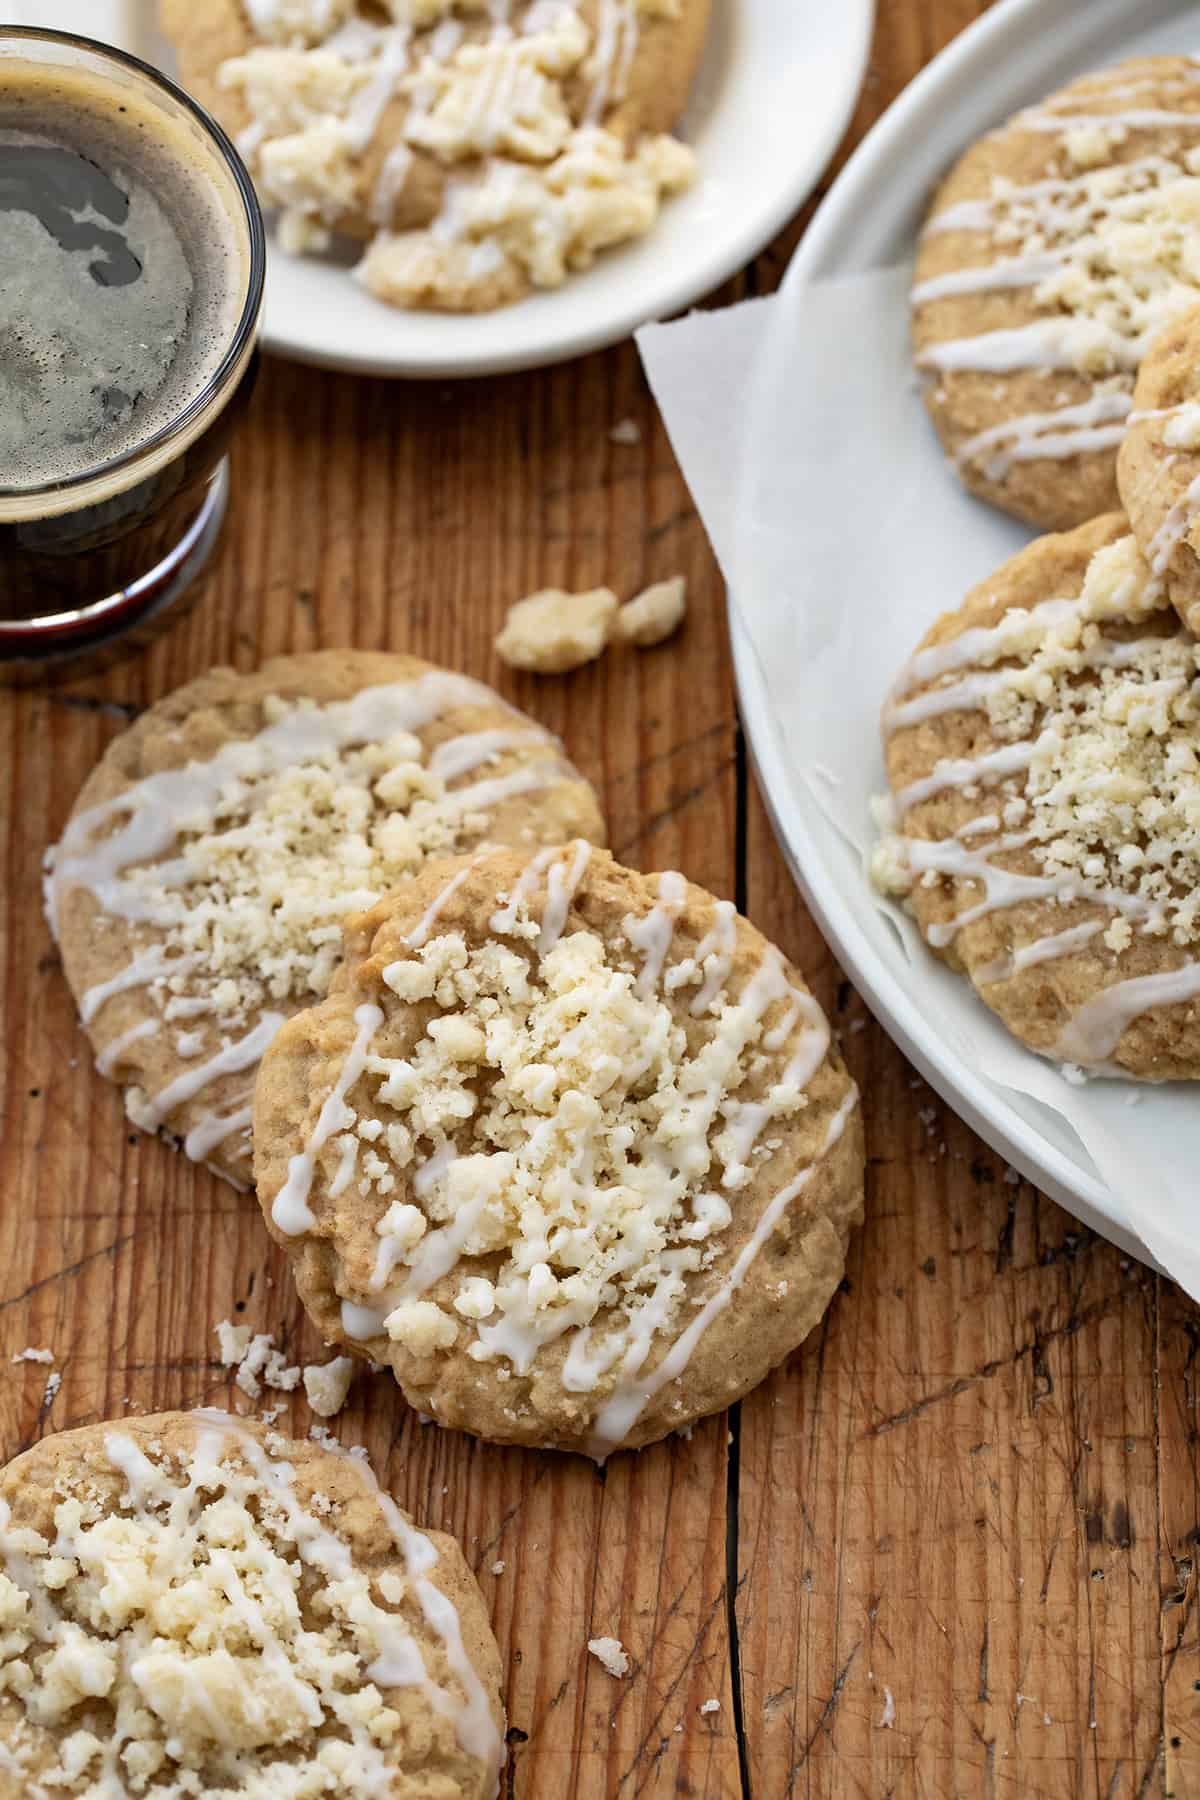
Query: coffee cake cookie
{"x": 192, "y": 1604}
{"x": 485, "y": 147}
{"x": 1053, "y": 253}
{"x": 569, "y": 1148}
{"x": 200, "y": 887}
{"x": 1041, "y": 751}
{"x": 1158, "y": 467}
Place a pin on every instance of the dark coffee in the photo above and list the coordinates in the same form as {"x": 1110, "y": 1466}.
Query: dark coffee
{"x": 125, "y": 273}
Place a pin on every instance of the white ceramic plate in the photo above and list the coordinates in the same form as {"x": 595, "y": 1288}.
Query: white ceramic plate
{"x": 774, "y": 94}
{"x": 1011, "y": 57}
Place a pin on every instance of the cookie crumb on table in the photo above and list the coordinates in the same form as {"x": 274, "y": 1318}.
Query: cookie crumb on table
{"x": 653, "y": 615}
{"x": 327, "y": 1385}
{"x": 30, "y": 1355}
{"x": 626, "y": 431}
{"x": 254, "y": 1356}
{"x": 552, "y": 631}
{"x": 710, "y": 1706}
{"x": 611, "y": 1652}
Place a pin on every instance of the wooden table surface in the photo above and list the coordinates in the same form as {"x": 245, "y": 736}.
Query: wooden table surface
{"x": 950, "y": 1548}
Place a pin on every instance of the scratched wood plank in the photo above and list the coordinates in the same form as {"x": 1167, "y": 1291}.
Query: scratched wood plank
{"x": 963, "y": 1505}
{"x": 409, "y": 518}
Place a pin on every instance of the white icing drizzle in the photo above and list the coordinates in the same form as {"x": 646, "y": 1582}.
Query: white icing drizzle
{"x": 960, "y": 771}
{"x": 562, "y": 883}
{"x": 1097, "y": 423}
{"x": 505, "y": 917}
{"x": 390, "y": 184}
{"x": 717, "y": 951}
{"x": 420, "y": 932}
{"x": 112, "y": 1052}
{"x": 482, "y": 795}
{"x": 203, "y": 1139}
{"x": 652, "y": 934}
{"x": 1138, "y": 118}
{"x": 370, "y": 103}
{"x": 1043, "y": 949}
{"x": 1174, "y": 528}
{"x": 979, "y": 644}
{"x": 290, "y": 1211}
{"x": 972, "y": 691}
{"x": 612, "y": 56}
{"x": 1095, "y": 1029}
{"x": 1042, "y": 344}
{"x": 631, "y": 1397}
{"x": 232, "y": 1059}
{"x": 460, "y": 755}
{"x": 146, "y": 967}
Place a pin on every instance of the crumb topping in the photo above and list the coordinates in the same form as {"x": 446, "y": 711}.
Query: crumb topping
{"x": 534, "y": 192}
{"x": 206, "y": 1633}
{"x": 279, "y": 838}
{"x": 572, "y": 1147}
{"x": 1107, "y": 797}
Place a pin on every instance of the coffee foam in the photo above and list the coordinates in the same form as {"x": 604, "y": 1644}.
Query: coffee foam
{"x": 101, "y": 370}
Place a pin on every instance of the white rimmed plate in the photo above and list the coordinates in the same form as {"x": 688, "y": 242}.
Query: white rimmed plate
{"x": 775, "y": 92}
{"x": 1134, "y": 1181}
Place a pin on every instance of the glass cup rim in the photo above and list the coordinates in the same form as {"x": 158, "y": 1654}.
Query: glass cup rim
{"x": 233, "y": 360}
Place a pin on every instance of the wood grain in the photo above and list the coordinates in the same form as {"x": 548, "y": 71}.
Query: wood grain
{"x": 962, "y": 1527}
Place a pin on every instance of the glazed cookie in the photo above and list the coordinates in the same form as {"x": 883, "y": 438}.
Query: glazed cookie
{"x": 485, "y": 146}
{"x": 200, "y": 888}
{"x": 1053, "y": 253}
{"x": 567, "y": 1147}
{"x": 1158, "y": 467}
{"x": 1041, "y": 751}
{"x": 195, "y": 1605}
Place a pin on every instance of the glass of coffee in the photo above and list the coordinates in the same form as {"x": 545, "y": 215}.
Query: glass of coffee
{"x": 132, "y": 258}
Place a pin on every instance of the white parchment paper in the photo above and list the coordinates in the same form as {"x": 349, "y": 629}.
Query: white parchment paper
{"x": 842, "y": 535}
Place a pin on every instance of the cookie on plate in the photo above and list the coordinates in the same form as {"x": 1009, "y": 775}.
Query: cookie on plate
{"x": 199, "y": 890}
{"x": 1041, "y": 752}
{"x": 486, "y": 145}
{"x": 1158, "y": 467}
{"x": 194, "y": 1603}
{"x": 568, "y": 1147}
{"x": 1053, "y": 253}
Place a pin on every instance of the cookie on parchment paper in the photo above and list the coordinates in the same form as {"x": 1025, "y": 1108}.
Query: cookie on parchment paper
{"x": 1158, "y": 468}
{"x": 1045, "y": 804}
{"x": 1053, "y": 253}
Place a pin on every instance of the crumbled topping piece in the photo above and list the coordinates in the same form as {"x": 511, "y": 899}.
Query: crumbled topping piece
{"x": 256, "y": 1358}
{"x": 654, "y": 614}
{"x": 710, "y": 1706}
{"x": 30, "y": 1355}
{"x": 626, "y": 432}
{"x": 611, "y": 1652}
{"x": 552, "y": 631}
{"x": 521, "y": 224}
{"x": 327, "y": 1384}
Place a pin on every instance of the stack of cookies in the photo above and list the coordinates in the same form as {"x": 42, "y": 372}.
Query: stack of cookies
{"x": 567, "y": 1148}
{"x": 1043, "y": 743}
